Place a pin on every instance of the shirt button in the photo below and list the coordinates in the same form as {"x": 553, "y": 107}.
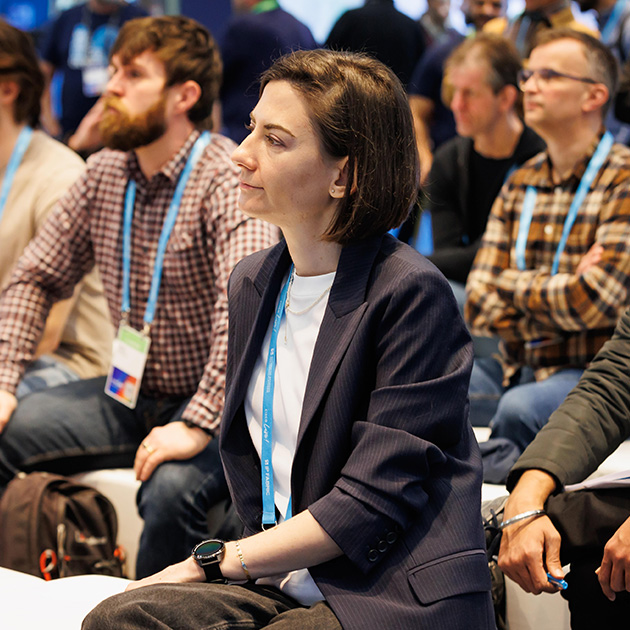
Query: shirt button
{"x": 548, "y": 229}
{"x": 391, "y": 538}
{"x": 382, "y": 546}
{"x": 373, "y": 555}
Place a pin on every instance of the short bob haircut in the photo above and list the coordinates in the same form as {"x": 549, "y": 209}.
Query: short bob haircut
{"x": 602, "y": 65}
{"x": 359, "y": 109}
{"x": 18, "y": 62}
{"x": 187, "y": 50}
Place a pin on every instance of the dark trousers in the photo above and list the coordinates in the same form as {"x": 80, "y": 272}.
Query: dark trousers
{"x": 76, "y": 427}
{"x": 208, "y": 606}
{"x": 586, "y": 521}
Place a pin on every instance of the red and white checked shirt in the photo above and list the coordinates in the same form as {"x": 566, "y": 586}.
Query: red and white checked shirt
{"x": 209, "y": 237}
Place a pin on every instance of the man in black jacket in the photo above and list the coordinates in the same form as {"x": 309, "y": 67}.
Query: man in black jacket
{"x": 469, "y": 170}
{"x": 589, "y": 528}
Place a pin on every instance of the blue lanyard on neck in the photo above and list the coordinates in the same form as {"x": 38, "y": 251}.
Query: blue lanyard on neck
{"x": 169, "y": 222}
{"x": 15, "y": 160}
{"x": 266, "y": 462}
{"x": 595, "y": 163}
{"x": 613, "y": 20}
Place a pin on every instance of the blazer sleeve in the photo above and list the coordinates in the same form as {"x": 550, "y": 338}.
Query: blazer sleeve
{"x": 416, "y": 419}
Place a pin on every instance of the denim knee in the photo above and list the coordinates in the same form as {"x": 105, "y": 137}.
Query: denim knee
{"x": 516, "y": 418}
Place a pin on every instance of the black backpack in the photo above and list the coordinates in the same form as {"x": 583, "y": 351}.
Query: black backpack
{"x": 51, "y": 526}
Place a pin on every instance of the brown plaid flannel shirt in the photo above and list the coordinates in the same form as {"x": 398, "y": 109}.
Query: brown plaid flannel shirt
{"x": 554, "y": 322}
{"x": 189, "y": 332}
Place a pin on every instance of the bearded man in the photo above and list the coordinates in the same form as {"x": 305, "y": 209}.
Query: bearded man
{"x": 157, "y": 212}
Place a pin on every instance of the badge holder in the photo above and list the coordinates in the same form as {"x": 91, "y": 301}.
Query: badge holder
{"x": 129, "y": 356}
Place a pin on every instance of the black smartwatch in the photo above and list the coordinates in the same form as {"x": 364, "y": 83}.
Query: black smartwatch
{"x": 207, "y": 555}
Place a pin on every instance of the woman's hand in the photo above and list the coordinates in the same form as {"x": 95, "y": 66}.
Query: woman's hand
{"x": 185, "y": 571}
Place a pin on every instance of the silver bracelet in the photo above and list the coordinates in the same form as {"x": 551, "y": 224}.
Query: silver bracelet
{"x": 239, "y": 551}
{"x": 521, "y": 517}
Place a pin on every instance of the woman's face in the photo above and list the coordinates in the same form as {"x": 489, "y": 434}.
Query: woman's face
{"x": 286, "y": 178}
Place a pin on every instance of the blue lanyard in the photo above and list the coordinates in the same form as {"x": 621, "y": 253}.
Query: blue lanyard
{"x": 169, "y": 222}
{"x": 612, "y": 21}
{"x": 15, "y": 160}
{"x": 595, "y": 163}
{"x": 266, "y": 462}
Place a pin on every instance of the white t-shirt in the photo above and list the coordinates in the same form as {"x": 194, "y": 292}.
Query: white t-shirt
{"x": 296, "y": 342}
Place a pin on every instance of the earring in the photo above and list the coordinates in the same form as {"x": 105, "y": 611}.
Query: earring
{"x": 333, "y": 191}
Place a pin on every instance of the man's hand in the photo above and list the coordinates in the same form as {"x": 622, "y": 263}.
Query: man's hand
{"x": 173, "y": 441}
{"x": 8, "y": 403}
{"x": 531, "y": 547}
{"x": 614, "y": 572}
{"x": 186, "y": 571}
{"x": 592, "y": 257}
{"x": 526, "y": 549}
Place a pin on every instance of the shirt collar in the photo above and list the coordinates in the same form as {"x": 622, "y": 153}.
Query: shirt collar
{"x": 171, "y": 169}
{"x": 577, "y": 173}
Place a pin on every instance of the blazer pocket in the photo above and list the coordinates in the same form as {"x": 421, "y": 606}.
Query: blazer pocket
{"x": 457, "y": 574}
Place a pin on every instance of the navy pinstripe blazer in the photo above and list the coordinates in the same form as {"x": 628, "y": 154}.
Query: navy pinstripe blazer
{"x": 386, "y": 460}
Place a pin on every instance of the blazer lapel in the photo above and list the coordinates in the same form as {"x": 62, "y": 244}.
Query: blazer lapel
{"x": 346, "y": 307}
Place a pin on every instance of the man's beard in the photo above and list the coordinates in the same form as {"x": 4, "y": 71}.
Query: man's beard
{"x": 123, "y": 132}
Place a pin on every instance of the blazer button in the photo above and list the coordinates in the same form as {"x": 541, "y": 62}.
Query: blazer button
{"x": 373, "y": 555}
{"x": 382, "y": 546}
{"x": 391, "y": 537}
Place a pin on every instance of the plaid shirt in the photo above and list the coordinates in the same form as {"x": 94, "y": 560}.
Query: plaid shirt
{"x": 567, "y": 316}
{"x": 210, "y": 236}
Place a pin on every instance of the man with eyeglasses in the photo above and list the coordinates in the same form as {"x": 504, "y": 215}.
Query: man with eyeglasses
{"x": 553, "y": 271}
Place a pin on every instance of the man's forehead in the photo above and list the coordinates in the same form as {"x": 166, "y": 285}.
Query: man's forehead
{"x": 562, "y": 52}
{"x": 147, "y": 58}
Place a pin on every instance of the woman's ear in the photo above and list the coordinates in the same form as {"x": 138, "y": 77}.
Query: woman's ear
{"x": 340, "y": 183}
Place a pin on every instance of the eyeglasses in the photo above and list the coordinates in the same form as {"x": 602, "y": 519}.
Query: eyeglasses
{"x": 542, "y": 77}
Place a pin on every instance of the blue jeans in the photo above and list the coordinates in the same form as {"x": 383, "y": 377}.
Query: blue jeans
{"x": 76, "y": 427}
{"x": 515, "y": 414}
{"x": 43, "y": 373}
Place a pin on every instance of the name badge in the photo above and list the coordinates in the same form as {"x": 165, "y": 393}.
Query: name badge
{"x": 95, "y": 79}
{"x": 129, "y": 356}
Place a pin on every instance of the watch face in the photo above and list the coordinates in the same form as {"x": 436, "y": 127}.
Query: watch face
{"x": 208, "y": 549}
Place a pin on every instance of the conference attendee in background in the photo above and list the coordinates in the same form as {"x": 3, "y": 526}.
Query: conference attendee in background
{"x": 613, "y": 20}
{"x": 587, "y": 529}
{"x": 361, "y": 504}
{"x": 258, "y": 32}
{"x": 538, "y": 16}
{"x": 35, "y": 171}
{"x": 553, "y": 271}
{"x": 434, "y": 22}
{"x": 380, "y": 30}
{"x": 157, "y": 211}
{"x": 433, "y": 120}
{"x": 468, "y": 171}
{"x": 76, "y": 45}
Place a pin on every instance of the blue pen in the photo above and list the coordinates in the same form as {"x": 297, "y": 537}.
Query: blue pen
{"x": 562, "y": 584}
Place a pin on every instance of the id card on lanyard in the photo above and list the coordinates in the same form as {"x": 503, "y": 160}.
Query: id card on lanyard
{"x": 131, "y": 347}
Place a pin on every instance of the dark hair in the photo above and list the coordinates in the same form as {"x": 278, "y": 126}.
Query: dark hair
{"x": 18, "y": 62}
{"x": 359, "y": 109}
{"x": 497, "y": 51}
{"x": 602, "y": 65}
{"x": 187, "y": 50}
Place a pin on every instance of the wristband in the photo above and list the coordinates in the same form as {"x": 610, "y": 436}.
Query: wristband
{"x": 242, "y": 559}
{"x": 522, "y": 517}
